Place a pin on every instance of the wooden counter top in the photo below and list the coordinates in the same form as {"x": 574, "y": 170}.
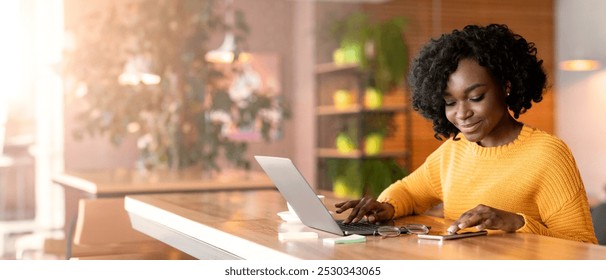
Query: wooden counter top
{"x": 245, "y": 225}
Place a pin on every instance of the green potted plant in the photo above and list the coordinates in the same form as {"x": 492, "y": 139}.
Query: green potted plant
{"x": 369, "y": 175}
{"x": 377, "y": 47}
{"x": 354, "y": 178}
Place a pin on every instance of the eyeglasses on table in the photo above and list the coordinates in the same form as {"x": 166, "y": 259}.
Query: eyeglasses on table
{"x": 394, "y": 231}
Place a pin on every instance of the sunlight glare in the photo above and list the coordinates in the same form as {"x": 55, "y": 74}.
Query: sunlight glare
{"x": 10, "y": 50}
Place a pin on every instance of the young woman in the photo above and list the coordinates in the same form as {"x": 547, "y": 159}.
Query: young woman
{"x": 492, "y": 172}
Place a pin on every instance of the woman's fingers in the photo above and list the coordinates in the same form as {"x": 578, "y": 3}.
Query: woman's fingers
{"x": 342, "y": 206}
{"x": 485, "y": 217}
{"x": 359, "y": 211}
{"x": 385, "y": 212}
{"x": 470, "y": 218}
{"x": 366, "y": 207}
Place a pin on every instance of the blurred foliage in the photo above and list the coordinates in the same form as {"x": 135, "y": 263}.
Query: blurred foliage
{"x": 179, "y": 121}
{"x": 379, "y": 46}
{"x": 354, "y": 178}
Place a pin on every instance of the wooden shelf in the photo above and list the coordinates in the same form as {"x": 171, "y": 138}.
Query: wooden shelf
{"x": 330, "y": 67}
{"x": 356, "y": 109}
{"x": 358, "y": 120}
{"x": 357, "y": 154}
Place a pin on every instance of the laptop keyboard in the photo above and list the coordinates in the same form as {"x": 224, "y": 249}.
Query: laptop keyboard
{"x": 355, "y": 227}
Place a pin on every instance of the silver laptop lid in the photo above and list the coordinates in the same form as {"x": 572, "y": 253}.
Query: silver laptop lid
{"x": 295, "y": 189}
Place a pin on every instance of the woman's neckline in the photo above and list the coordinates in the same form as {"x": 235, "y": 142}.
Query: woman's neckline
{"x": 479, "y": 150}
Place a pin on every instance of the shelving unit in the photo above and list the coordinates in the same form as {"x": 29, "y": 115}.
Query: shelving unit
{"x": 357, "y": 121}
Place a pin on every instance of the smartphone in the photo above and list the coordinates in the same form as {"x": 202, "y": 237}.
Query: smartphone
{"x": 446, "y": 236}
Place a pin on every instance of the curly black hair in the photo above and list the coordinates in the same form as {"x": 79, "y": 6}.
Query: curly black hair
{"x": 507, "y": 56}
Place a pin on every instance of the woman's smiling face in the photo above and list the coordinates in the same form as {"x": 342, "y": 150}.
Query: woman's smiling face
{"x": 475, "y": 104}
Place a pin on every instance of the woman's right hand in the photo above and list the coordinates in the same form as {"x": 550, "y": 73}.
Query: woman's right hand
{"x": 368, "y": 207}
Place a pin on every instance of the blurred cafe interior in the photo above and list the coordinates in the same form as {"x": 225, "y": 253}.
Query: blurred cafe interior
{"x": 103, "y": 99}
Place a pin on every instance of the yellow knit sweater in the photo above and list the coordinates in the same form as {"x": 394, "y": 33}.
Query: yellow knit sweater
{"x": 535, "y": 176}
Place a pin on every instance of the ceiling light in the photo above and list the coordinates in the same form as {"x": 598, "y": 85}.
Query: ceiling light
{"x": 579, "y": 65}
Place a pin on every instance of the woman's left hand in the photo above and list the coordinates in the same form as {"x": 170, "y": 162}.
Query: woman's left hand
{"x": 486, "y": 217}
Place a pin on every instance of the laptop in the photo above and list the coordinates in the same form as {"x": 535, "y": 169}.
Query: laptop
{"x": 310, "y": 210}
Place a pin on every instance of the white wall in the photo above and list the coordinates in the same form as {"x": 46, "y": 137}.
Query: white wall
{"x": 580, "y": 112}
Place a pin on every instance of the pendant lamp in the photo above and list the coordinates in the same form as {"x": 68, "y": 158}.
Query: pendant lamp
{"x": 226, "y": 53}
